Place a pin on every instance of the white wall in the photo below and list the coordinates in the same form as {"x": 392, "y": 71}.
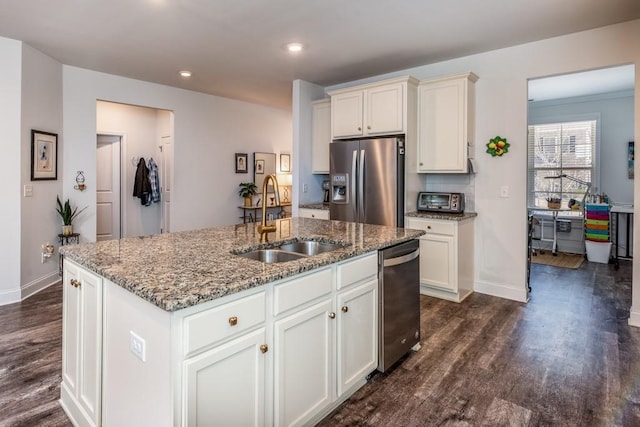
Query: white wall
{"x": 10, "y": 172}
{"x": 303, "y": 94}
{"x": 208, "y": 130}
{"x": 139, "y": 128}
{"x": 501, "y": 109}
{"x": 40, "y": 223}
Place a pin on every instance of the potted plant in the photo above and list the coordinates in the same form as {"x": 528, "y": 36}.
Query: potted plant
{"x": 68, "y": 215}
{"x": 247, "y": 189}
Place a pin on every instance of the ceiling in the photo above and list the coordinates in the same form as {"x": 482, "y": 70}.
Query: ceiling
{"x": 235, "y": 47}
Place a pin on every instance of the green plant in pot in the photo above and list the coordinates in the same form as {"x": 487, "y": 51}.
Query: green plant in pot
{"x": 67, "y": 214}
{"x": 247, "y": 189}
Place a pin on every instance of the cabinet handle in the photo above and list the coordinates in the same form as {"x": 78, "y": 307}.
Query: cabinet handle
{"x": 264, "y": 348}
{"x": 332, "y": 315}
{"x": 75, "y": 283}
{"x": 233, "y": 321}
{"x": 345, "y": 309}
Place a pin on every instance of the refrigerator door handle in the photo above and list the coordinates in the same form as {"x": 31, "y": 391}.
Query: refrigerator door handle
{"x": 354, "y": 167}
{"x": 361, "y": 208}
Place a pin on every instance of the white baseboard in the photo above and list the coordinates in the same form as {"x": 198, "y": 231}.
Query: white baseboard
{"x": 19, "y": 294}
{"x": 39, "y": 284}
{"x": 634, "y": 317}
{"x": 10, "y": 296}
{"x": 501, "y": 291}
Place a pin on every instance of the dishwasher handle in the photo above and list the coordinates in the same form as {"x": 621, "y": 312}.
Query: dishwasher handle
{"x": 402, "y": 259}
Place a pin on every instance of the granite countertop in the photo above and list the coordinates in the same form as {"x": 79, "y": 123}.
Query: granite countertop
{"x": 179, "y": 270}
{"x": 319, "y": 206}
{"x": 442, "y": 215}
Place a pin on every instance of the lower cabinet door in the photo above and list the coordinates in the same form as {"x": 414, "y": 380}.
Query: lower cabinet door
{"x": 226, "y": 385}
{"x": 357, "y": 338}
{"x": 304, "y": 371}
{"x": 437, "y": 262}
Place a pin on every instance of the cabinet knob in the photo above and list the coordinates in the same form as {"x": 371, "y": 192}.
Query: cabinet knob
{"x": 233, "y": 321}
{"x": 421, "y": 164}
{"x": 332, "y": 315}
{"x": 264, "y": 348}
{"x": 359, "y": 128}
{"x": 428, "y": 227}
{"x": 75, "y": 283}
{"x": 369, "y": 127}
{"x": 345, "y": 309}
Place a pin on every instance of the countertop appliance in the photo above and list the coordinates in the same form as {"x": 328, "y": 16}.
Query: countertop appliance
{"x": 441, "y": 202}
{"x": 398, "y": 302}
{"x": 367, "y": 181}
{"x": 326, "y": 186}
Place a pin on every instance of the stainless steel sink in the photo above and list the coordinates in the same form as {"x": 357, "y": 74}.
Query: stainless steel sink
{"x": 310, "y": 247}
{"x": 290, "y": 251}
{"x": 271, "y": 256}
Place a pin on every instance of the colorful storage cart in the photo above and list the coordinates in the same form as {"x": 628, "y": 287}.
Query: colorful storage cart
{"x": 597, "y": 232}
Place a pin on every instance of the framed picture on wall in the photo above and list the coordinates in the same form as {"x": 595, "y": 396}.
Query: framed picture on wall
{"x": 241, "y": 163}
{"x": 260, "y": 167}
{"x": 44, "y": 155}
{"x": 285, "y": 163}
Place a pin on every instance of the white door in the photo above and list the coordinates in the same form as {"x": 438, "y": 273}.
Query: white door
{"x": 166, "y": 166}
{"x": 108, "y": 188}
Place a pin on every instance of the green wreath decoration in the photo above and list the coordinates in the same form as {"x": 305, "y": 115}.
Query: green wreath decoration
{"x": 498, "y": 146}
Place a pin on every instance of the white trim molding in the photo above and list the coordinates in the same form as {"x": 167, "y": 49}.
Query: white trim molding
{"x": 634, "y": 317}
{"x": 501, "y": 291}
{"x": 10, "y": 296}
{"x": 39, "y": 284}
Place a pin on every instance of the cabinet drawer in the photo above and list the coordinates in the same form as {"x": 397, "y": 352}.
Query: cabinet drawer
{"x": 313, "y": 213}
{"x": 210, "y": 326}
{"x": 354, "y": 271}
{"x": 299, "y": 291}
{"x": 432, "y": 227}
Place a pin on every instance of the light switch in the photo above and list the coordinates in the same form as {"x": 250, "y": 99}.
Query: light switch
{"x": 504, "y": 191}
{"x": 28, "y": 190}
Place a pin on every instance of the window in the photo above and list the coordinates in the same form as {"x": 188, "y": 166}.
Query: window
{"x": 557, "y": 149}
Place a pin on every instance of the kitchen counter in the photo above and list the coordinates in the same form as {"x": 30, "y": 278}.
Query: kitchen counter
{"x": 178, "y": 270}
{"x": 442, "y": 215}
{"x": 319, "y": 206}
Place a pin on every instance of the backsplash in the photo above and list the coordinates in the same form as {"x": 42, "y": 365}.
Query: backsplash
{"x": 452, "y": 183}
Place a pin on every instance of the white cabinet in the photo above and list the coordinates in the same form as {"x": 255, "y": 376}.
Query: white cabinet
{"x": 320, "y": 135}
{"x": 446, "y": 118}
{"x": 81, "y": 388}
{"x": 226, "y": 385}
{"x": 446, "y": 257}
{"x": 357, "y": 341}
{"x": 313, "y": 213}
{"x": 371, "y": 110}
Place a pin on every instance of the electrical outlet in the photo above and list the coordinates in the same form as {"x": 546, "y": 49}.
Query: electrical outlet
{"x": 305, "y": 188}
{"x": 137, "y": 346}
{"x": 270, "y": 217}
{"x": 28, "y": 190}
{"x": 504, "y": 191}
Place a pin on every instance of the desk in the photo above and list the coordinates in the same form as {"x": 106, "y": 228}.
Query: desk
{"x": 627, "y": 211}
{"x": 252, "y": 216}
{"x": 554, "y": 215}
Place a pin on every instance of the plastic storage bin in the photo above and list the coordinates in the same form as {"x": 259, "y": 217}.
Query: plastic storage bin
{"x": 598, "y": 251}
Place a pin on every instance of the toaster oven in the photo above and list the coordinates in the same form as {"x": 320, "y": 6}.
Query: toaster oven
{"x": 441, "y": 202}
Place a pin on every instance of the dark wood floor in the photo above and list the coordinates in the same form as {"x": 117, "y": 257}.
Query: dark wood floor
{"x": 568, "y": 358}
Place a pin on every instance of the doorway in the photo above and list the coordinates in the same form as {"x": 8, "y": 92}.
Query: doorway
{"x": 108, "y": 188}
{"x": 579, "y": 129}
{"x": 130, "y": 136}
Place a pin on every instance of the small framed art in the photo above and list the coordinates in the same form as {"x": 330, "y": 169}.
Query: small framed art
{"x": 44, "y": 155}
{"x": 260, "y": 167}
{"x": 241, "y": 163}
{"x": 285, "y": 163}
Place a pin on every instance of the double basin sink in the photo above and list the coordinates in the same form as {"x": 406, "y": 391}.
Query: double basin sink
{"x": 290, "y": 251}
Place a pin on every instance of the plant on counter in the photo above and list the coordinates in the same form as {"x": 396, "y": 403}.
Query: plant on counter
{"x": 247, "y": 189}
{"x": 68, "y": 215}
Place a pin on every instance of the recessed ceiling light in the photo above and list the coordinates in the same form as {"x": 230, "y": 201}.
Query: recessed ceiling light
{"x": 185, "y": 73}
{"x": 294, "y": 47}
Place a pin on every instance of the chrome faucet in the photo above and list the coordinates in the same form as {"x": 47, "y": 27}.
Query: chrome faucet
{"x": 263, "y": 228}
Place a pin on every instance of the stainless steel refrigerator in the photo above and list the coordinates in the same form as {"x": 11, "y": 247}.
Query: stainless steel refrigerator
{"x": 367, "y": 181}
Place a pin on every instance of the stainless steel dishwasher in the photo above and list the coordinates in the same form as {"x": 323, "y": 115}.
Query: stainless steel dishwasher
{"x": 399, "y": 302}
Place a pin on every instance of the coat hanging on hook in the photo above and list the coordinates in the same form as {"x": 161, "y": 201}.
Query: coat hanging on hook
{"x": 141, "y": 184}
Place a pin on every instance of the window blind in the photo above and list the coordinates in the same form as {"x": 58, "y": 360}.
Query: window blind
{"x": 556, "y": 149}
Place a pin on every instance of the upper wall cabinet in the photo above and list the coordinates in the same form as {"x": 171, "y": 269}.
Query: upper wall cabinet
{"x": 446, "y": 117}
{"x": 371, "y": 110}
{"x": 320, "y": 135}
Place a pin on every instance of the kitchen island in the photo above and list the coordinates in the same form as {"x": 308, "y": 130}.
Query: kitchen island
{"x": 179, "y": 329}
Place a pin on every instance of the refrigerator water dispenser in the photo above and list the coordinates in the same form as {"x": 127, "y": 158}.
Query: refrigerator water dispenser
{"x": 339, "y": 184}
